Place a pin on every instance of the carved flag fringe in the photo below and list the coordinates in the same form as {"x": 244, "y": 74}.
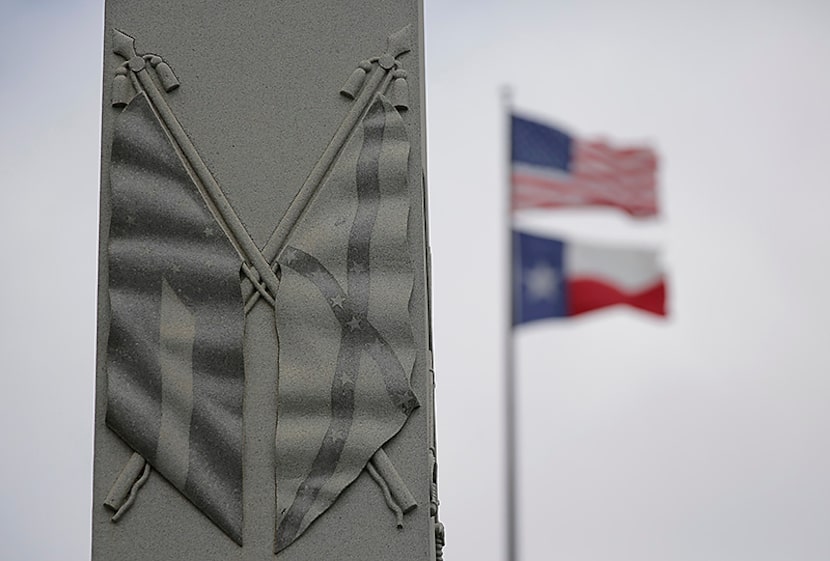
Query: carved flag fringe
{"x": 168, "y": 80}
{"x": 400, "y": 90}
{"x": 355, "y": 82}
{"x": 122, "y": 88}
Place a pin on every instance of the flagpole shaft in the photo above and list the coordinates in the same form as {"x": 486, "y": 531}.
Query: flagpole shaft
{"x": 511, "y": 467}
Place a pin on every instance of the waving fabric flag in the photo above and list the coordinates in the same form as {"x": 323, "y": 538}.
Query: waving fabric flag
{"x": 553, "y": 278}
{"x": 552, "y": 169}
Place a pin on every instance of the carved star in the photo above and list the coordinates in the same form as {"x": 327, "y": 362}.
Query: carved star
{"x": 373, "y": 346}
{"x": 208, "y": 231}
{"x": 289, "y": 254}
{"x": 337, "y": 300}
{"x": 354, "y": 323}
{"x": 358, "y": 267}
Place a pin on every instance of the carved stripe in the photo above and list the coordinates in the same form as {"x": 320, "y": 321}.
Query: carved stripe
{"x": 176, "y": 335}
{"x": 394, "y": 376}
{"x": 328, "y": 456}
{"x": 368, "y": 198}
{"x": 348, "y": 359}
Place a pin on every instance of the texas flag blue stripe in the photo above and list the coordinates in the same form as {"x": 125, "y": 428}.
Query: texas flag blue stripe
{"x": 538, "y": 281}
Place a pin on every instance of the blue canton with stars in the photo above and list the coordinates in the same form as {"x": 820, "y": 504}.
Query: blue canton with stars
{"x": 540, "y": 145}
{"x": 539, "y": 288}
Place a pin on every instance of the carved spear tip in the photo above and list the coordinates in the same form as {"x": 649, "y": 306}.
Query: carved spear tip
{"x": 400, "y": 42}
{"x": 122, "y": 44}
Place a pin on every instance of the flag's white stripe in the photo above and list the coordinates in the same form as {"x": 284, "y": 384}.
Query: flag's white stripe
{"x": 628, "y": 269}
{"x": 598, "y": 169}
{"x": 177, "y": 332}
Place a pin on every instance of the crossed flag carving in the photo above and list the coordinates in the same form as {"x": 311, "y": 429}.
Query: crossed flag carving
{"x": 261, "y": 270}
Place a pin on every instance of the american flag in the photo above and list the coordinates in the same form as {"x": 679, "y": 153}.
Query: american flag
{"x": 552, "y": 169}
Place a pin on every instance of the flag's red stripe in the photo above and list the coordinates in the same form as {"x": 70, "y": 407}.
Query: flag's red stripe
{"x": 586, "y": 294}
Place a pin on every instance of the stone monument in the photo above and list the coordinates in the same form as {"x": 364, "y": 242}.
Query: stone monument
{"x": 264, "y": 382}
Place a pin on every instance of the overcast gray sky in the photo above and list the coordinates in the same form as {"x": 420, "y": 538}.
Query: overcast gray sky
{"x": 703, "y": 438}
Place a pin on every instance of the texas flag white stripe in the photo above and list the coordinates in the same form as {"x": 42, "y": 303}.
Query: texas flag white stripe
{"x": 630, "y": 270}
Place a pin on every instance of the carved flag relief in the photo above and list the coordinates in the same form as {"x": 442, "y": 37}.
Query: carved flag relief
{"x": 174, "y": 357}
{"x": 177, "y": 253}
{"x": 346, "y": 347}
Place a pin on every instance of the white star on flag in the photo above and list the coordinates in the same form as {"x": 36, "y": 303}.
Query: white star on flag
{"x": 542, "y": 281}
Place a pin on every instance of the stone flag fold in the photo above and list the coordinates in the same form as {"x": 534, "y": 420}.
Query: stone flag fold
{"x": 175, "y": 377}
{"x": 346, "y": 346}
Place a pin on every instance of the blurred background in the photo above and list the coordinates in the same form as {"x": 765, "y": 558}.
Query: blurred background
{"x": 700, "y": 437}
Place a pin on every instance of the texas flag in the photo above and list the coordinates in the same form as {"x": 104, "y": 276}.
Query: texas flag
{"x": 554, "y": 278}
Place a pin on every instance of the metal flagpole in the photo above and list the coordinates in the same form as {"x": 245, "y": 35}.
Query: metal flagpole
{"x": 511, "y": 511}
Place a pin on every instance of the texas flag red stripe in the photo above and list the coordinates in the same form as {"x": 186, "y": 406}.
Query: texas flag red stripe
{"x": 588, "y": 294}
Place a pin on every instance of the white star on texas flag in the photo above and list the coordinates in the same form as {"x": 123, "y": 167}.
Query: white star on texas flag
{"x": 542, "y": 281}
